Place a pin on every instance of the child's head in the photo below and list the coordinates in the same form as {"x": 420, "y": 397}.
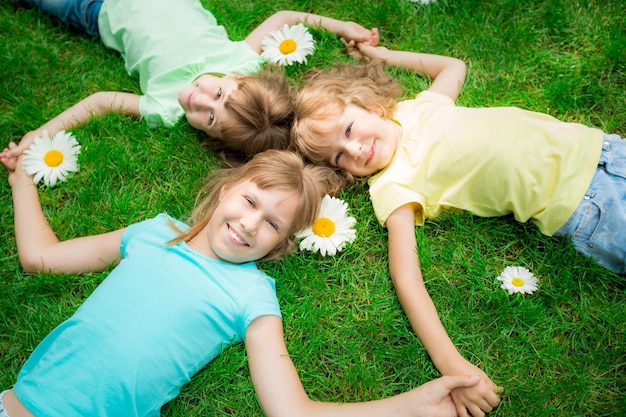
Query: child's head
{"x": 273, "y": 177}
{"x": 322, "y": 103}
{"x": 244, "y": 114}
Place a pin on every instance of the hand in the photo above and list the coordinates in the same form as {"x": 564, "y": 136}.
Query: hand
{"x": 433, "y": 399}
{"x": 14, "y": 150}
{"x": 354, "y": 34}
{"x": 7, "y": 159}
{"x": 361, "y": 50}
{"x": 478, "y": 399}
{"x": 13, "y": 164}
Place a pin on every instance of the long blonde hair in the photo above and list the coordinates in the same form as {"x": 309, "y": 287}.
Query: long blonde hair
{"x": 325, "y": 94}
{"x": 272, "y": 169}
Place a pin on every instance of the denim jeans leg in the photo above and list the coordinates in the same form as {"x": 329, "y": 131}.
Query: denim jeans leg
{"x": 3, "y": 412}
{"x": 598, "y": 226}
{"x": 80, "y": 14}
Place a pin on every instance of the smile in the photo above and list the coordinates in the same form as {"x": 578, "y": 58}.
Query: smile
{"x": 236, "y": 238}
{"x": 370, "y": 154}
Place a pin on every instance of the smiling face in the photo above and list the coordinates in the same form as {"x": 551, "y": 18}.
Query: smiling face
{"x": 248, "y": 222}
{"x": 203, "y": 102}
{"x": 362, "y": 142}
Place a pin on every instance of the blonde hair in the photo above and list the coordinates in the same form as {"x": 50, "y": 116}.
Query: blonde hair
{"x": 269, "y": 170}
{"x": 325, "y": 95}
{"x": 261, "y": 115}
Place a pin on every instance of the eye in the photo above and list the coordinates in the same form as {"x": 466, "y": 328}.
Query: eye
{"x": 273, "y": 224}
{"x": 337, "y": 158}
{"x": 250, "y": 201}
{"x": 348, "y": 130}
{"x": 219, "y": 93}
{"x": 211, "y": 118}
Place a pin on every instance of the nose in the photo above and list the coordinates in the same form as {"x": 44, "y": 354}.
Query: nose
{"x": 201, "y": 101}
{"x": 250, "y": 223}
{"x": 353, "y": 148}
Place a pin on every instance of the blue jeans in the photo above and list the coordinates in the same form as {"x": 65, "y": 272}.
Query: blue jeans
{"x": 598, "y": 226}
{"x": 80, "y": 14}
{"x": 3, "y": 412}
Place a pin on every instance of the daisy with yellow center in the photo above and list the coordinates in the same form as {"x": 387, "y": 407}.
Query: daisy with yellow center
{"x": 518, "y": 279}
{"x": 332, "y": 229}
{"x": 288, "y": 45}
{"x": 52, "y": 158}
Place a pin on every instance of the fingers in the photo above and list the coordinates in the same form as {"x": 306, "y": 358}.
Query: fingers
{"x": 461, "y": 410}
{"x": 9, "y": 161}
{"x": 460, "y": 381}
{"x": 6, "y": 151}
{"x": 351, "y": 48}
{"x": 472, "y": 396}
{"x": 346, "y": 43}
{"x": 374, "y": 37}
{"x": 13, "y": 150}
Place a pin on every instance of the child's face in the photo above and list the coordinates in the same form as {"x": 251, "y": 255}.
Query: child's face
{"x": 363, "y": 141}
{"x": 249, "y": 222}
{"x": 203, "y": 102}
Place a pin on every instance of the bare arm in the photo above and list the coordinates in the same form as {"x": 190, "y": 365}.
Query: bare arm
{"x": 280, "y": 390}
{"x": 447, "y": 73}
{"x": 350, "y": 31}
{"x": 97, "y": 104}
{"x": 38, "y": 247}
{"x": 408, "y": 281}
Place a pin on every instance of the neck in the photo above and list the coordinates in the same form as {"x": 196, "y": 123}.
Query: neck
{"x": 396, "y": 131}
{"x": 199, "y": 247}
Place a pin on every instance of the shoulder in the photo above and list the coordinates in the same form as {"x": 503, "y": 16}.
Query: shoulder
{"x": 410, "y": 112}
{"x": 428, "y": 96}
{"x": 158, "y": 227}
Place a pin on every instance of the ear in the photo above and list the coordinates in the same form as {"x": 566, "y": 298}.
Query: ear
{"x": 378, "y": 110}
{"x": 222, "y": 192}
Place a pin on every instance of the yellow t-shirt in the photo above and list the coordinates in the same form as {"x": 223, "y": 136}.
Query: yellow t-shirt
{"x": 488, "y": 161}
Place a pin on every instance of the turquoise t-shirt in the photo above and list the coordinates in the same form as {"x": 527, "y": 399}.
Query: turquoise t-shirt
{"x": 168, "y": 44}
{"x": 161, "y": 315}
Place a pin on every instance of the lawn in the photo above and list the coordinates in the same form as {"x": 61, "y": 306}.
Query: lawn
{"x": 558, "y": 352}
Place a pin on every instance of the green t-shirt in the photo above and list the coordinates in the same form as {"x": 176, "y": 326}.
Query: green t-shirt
{"x": 167, "y": 44}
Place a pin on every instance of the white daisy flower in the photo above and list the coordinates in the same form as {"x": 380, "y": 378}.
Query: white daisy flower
{"x": 52, "y": 158}
{"x": 288, "y": 45}
{"x": 331, "y": 230}
{"x": 518, "y": 279}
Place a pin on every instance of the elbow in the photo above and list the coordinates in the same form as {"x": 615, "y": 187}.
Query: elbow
{"x": 32, "y": 263}
{"x": 282, "y": 16}
{"x": 304, "y": 407}
{"x": 451, "y": 67}
{"x": 459, "y": 67}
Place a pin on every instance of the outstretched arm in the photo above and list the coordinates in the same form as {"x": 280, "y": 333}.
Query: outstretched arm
{"x": 447, "y": 73}
{"x": 416, "y": 302}
{"x": 97, "y": 104}
{"x": 280, "y": 390}
{"x": 38, "y": 247}
{"x": 350, "y": 31}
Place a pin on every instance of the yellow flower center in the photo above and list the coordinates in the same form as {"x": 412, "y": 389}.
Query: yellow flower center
{"x": 518, "y": 282}
{"x": 324, "y": 227}
{"x": 53, "y": 158}
{"x": 287, "y": 46}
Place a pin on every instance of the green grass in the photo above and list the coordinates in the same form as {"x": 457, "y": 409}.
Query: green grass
{"x": 559, "y": 352}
